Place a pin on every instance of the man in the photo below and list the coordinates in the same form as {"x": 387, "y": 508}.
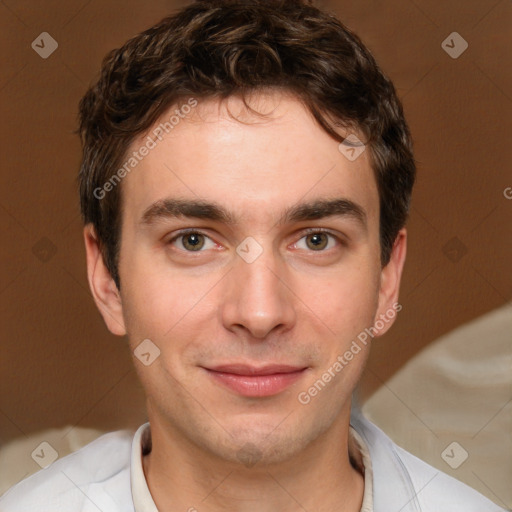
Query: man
{"x": 245, "y": 183}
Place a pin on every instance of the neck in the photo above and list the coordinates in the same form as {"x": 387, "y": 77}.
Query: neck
{"x": 182, "y": 476}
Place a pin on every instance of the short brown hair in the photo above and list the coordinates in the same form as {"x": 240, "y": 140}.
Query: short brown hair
{"x": 219, "y": 48}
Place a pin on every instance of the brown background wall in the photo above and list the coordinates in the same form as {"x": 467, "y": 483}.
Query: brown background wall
{"x": 60, "y": 366}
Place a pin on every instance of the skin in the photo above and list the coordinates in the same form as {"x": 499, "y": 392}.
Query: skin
{"x": 295, "y": 304}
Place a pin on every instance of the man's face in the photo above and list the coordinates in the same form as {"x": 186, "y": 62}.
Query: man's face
{"x": 286, "y": 297}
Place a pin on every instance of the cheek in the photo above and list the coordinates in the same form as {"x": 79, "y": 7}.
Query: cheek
{"x": 146, "y": 307}
{"x": 150, "y": 301}
{"x": 348, "y": 300}
{"x": 171, "y": 311}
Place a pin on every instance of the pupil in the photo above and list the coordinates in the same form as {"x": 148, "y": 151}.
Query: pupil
{"x": 193, "y": 236}
{"x": 316, "y": 240}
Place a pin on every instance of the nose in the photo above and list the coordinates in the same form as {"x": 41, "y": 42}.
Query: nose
{"x": 257, "y": 297}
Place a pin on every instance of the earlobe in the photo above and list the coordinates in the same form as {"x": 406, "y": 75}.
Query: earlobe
{"x": 390, "y": 279}
{"x": 102, "y": 285}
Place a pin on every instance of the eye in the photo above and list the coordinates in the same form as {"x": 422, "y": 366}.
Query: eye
{"x": 191, "y": 241}
{"x": 318, "y": 240}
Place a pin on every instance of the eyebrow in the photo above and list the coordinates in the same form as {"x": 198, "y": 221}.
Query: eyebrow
{"x": 199, "y": 209}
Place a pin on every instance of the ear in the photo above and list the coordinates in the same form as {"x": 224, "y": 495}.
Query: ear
{"x": 103, "y": 288}
{"x": 390, "y": 278}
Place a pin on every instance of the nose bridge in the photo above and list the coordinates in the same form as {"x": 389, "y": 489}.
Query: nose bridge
{"x": 256, "y": 297}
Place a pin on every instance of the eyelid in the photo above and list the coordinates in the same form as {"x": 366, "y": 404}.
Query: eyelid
{"x": 304, "y": 232}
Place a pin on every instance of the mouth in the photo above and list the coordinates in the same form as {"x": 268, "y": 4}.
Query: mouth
{"x": 251, "y": 381}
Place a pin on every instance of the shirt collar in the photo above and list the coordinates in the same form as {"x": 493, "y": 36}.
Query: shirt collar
{"x": 142, "y": 499}
{"x": 360, "y": 454}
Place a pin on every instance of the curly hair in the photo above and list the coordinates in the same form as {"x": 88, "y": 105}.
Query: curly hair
{"x": 219, "y": 48}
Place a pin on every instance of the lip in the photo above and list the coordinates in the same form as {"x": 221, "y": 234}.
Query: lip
{"x": 245, "y": 369}
{"x": 256, "y": 382}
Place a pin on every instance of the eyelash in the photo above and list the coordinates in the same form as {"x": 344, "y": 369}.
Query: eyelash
{"x": 308, "y": 231}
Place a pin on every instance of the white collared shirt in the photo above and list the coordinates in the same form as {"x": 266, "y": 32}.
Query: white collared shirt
{"x": 108, "y": 475}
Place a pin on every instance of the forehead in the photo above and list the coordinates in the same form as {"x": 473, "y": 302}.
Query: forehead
{"x": 220, "y": 152}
